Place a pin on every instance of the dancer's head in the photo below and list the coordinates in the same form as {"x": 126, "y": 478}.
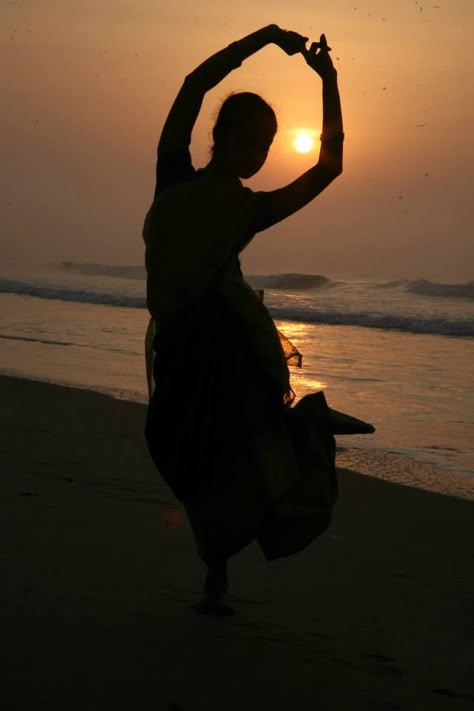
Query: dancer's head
{"x": 243, "y": 133}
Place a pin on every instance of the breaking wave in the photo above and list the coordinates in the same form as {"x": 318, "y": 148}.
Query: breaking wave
{"x": 433, "y": 288}
{"x": 423, "y": 287}
{"x": 84, "y": 296}
{"x": 444, "y": 326}
{"x": 391, "y": 322}
{"x": 289, "y": 282}
{"x": 292, "y": 282}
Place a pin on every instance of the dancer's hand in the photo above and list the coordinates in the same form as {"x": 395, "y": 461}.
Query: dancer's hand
{"x": 317, "y": 57}
{"x": 290, "y": 42}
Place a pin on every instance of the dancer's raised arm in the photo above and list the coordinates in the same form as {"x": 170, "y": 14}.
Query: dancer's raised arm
{"x": 287, "y": 200}
{"x": 178, "y": 127}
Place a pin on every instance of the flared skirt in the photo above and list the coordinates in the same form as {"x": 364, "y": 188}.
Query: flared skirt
{"x": 245, "y": 465}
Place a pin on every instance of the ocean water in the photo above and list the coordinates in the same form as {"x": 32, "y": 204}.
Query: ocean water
{"x": 399, "y": 354}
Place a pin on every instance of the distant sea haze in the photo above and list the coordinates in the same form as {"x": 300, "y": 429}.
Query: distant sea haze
{"x": 412, "y": 306}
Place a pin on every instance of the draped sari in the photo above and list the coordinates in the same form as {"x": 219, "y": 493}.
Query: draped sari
{"x": 221, "y": 427}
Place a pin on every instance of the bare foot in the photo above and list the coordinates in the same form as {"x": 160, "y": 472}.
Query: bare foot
{"x": 216, "y": 587}
{"x": 216, "y": 606}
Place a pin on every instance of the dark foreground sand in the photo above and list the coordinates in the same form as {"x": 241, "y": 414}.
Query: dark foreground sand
{"x": 99, "y": 572}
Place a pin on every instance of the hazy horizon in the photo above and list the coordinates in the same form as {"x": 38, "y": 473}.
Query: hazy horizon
{"x": 22, "y": 267}
{"x": 86, "y": 91}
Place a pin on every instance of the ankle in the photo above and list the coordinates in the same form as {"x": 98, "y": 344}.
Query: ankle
{"x": 216, "y": 584}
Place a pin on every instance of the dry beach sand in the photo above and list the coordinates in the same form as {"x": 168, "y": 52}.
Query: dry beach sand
{"x": 99, "y": 572}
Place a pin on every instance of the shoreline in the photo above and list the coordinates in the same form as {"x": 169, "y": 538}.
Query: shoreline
{"x": 100, "y": 572}
{"x": 391, "y": 466}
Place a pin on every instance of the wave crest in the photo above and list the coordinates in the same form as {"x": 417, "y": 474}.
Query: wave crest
{"x": 391, "y": 322}
{"x": 433, "y": 288}
{"x": 293, "y": 282}
{"x": 84, "y": 296}
{"x": 424, "y": 287}
{"x": 422, "y": 324}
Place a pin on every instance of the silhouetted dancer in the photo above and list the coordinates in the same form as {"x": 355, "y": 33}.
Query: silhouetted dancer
{"x": 221, "y": 427}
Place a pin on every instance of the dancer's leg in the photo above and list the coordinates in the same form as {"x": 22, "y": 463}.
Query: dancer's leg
{"x": 216, "y": 587}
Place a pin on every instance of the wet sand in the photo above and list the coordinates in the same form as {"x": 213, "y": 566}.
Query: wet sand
{"x": 99, "y": 573}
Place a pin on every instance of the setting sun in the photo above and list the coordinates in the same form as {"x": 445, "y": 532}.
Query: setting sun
{"x": 303, "y": 142}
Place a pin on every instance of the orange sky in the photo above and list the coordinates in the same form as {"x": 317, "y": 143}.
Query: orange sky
{"x": 86, "y": 86}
